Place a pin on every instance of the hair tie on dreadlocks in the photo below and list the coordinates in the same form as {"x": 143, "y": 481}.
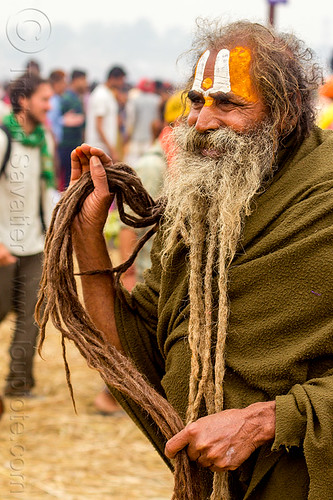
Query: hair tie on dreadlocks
{"x": 58, "y": 300}
{"x": 93, "y": 273}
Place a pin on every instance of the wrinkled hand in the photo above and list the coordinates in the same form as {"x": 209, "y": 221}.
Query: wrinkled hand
{"x": 95, "y": 208}
{"x": 223, "y": 441}
{"x": 6, "y": 258}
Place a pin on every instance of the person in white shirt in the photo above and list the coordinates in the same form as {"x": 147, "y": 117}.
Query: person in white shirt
{"x": 142, "y": 109}
{"x": 26, "y": 173}
{"x": 102, "y": 125}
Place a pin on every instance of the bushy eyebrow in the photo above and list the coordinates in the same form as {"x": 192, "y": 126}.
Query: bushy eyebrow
{"x": 219, "y": 97}
{"x": 222, "y": 98}
{"x": 195, "y": 96}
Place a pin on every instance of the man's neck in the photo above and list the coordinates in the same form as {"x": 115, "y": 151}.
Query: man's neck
{"x": 28, "y": 125}
{"x": 74, "y": 90}
{"x": 110, "y": 86}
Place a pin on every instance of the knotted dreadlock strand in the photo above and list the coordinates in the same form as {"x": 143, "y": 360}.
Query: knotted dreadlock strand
{"x": 58, "y": 300}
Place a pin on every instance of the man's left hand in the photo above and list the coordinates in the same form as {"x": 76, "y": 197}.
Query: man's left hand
{"x": 223, "y": 441}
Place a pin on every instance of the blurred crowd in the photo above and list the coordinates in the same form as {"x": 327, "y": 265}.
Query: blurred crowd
{"x": 41, "y": 121}
{"x": 115, "y": 115}
{"x": 130, "y": 122}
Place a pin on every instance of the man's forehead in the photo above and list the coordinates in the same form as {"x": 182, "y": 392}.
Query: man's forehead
{"x": 225, "y": 71}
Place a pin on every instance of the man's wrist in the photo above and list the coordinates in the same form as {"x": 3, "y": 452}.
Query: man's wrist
{"x": 88, "y": 242}
{"x": 262, "y": 416}
{"x": 90, "y": 250}
{"x": 86, "y": 234}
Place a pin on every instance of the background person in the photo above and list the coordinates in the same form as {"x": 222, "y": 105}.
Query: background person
{"x": 72, "y": 110}
{"x": 102, "y": 128}
{"x": 24, "y": 180}
{"x": 142, "y": 109}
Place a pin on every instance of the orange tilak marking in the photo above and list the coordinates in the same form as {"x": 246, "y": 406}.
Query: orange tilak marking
{"x": 207, "y": 83}
{"x": 239, "y": 69}
{"x": 208, "y": 101}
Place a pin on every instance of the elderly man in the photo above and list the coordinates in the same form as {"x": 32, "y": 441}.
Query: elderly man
{"x": 233, "y": 324}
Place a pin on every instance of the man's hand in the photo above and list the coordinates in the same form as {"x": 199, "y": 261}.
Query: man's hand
{"x": 89, "y": 243}
{"x": 95, "y": 209}
{"x": 223, "y": 441}
{"x": 72, "y": 119}
{"x": 6, "y": 258}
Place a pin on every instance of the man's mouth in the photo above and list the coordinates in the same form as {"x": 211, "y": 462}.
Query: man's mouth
{"x": 211, "y": 153}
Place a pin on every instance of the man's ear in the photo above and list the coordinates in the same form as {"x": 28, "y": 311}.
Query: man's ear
{"x": 23, "y": 102}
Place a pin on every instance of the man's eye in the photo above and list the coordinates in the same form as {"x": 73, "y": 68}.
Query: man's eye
{"x": 195, "y": 98}
{"x": 229, "y": 104}
{"x": 197, "y": 103}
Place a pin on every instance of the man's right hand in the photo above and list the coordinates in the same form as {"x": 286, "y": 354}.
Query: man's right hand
{"x": 94, "y": 211}
{"x": 6, "y": 258}
{"x": 89, "y": 243}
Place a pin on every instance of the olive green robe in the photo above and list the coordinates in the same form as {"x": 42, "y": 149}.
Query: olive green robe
{"x": 280, "y": 334}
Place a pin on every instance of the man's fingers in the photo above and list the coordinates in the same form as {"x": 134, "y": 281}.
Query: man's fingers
{"x": 204, "y": 462}
{"x": 76, "y": 170}
{"x": 176, "y": 443}
{"x": 84, "y": 159}
{"x": 92, "y": 151}
{"x": 80, "y": 158}
{"x": 85, "y": 148}
{"x": 192, "y": 452}
{"x": 105, "y": 159}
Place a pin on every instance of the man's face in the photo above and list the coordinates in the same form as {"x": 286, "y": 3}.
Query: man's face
{"x": 60, "y": 86}
{"x": 223, "y": 95}
{"x": 117, "y": 83}
{"x": 37, "y": 106}
{"x": 80, "y": 85}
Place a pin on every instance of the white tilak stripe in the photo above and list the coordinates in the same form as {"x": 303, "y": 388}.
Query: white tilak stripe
{"x": 199, "y": 74}
{"x": 221, "y": 73}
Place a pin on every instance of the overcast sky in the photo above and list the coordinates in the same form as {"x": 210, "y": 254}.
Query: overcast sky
{"x": 309, "y": 19}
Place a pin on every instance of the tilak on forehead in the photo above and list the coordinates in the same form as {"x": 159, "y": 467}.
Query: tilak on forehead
{"x": 231, "y": 74}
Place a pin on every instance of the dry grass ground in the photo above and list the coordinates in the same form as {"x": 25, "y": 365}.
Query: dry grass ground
{"x": 47, "y": 452}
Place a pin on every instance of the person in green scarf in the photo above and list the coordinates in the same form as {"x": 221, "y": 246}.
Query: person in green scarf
{"x": 26, "y": 175}
{"x": 233, "y": 324}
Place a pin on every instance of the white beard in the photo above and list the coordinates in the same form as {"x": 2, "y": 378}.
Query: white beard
{"x": 209, "y": 192}
{"x": 221, "y": 169}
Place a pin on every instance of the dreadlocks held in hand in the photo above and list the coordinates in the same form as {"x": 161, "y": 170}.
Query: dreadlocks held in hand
{"x": 63, "y": 307}
{"x": 252, "y": 106}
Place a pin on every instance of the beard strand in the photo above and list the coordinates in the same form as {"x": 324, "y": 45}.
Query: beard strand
{"x": 209, "y": 191}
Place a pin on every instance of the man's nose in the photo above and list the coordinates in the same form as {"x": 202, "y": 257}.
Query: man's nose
{"x": 207, "y": 120}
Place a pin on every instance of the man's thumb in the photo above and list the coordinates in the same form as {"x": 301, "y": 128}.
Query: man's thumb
{"x": 98, "y": 176}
